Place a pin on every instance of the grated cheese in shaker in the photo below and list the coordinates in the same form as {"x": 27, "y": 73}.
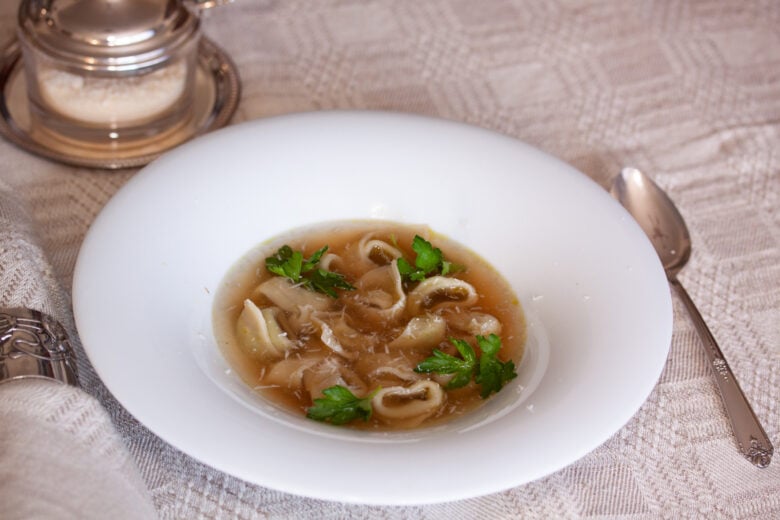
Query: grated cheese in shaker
{"x": 100, "y": 100}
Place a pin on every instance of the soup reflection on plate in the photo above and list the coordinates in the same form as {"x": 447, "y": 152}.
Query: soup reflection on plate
{"x": 369, "y": 324}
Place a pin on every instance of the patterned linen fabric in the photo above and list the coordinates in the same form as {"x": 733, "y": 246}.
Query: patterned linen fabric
{"x": 687, "y": 91}
{"x": 60, "y": 457}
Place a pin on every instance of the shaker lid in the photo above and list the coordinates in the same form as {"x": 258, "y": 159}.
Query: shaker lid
{"x": 107, "y": 35}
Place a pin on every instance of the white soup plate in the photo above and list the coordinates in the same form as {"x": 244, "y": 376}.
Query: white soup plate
{"x": 594, "y": 292}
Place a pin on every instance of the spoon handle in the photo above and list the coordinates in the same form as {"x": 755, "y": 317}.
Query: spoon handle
{"x": 751, "y": 437}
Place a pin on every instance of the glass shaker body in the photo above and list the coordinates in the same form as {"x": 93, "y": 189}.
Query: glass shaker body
{"x": 114, "y": 88}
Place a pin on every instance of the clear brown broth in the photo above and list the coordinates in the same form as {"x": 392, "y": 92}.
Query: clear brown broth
{"x": 496, "y": 297}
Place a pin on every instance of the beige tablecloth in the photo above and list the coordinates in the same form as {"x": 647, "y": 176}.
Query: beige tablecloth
{"x": 687, "y": 91}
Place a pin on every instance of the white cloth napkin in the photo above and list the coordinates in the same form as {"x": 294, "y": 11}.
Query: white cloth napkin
{"x": 60, "y": 456}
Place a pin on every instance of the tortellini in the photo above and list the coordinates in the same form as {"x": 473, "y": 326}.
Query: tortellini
{"x": 409, "y": 404}
{"x": 260, "y": 334}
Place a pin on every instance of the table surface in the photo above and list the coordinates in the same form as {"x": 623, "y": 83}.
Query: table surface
{"x": 687, "y": 91}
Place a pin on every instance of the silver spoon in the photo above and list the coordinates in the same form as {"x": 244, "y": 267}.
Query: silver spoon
{"x": 663, "y": 224}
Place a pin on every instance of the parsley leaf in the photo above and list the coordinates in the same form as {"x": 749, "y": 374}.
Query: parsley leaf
{"x": 429, "y": 261}
{"x": 286, "y": 262}
{"x": 489, "y": 372}
{"x": 312, "y": 262}
{"x": 443, "y": 363}
{"x": 428, "y": 257}
{"x": 291, "y": 264}
{"x": 493, "y": 373}
{"x": 408, "y": 272}
{"x": 326, "y": 282}
{"x": 340, "y": 406}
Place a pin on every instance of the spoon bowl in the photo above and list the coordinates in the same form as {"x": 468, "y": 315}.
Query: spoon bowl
{"x": 659, "y": 218}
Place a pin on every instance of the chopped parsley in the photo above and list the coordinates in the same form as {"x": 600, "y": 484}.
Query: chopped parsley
{"x": 429, "y": 261}
{"x": 340, "y": 406}
{"x": 443, "y": 363}
{"x": 291, "y": 264}
{"x": 493, "y": 373}
{"x": 489, "y": 372}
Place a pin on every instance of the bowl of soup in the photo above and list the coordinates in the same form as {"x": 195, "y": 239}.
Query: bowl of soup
{"x": 370, "y": 324}
{"x": 372, "y": 307}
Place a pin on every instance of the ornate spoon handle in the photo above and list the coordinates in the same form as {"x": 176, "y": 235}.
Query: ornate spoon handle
{"x": 751, "y": 437}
